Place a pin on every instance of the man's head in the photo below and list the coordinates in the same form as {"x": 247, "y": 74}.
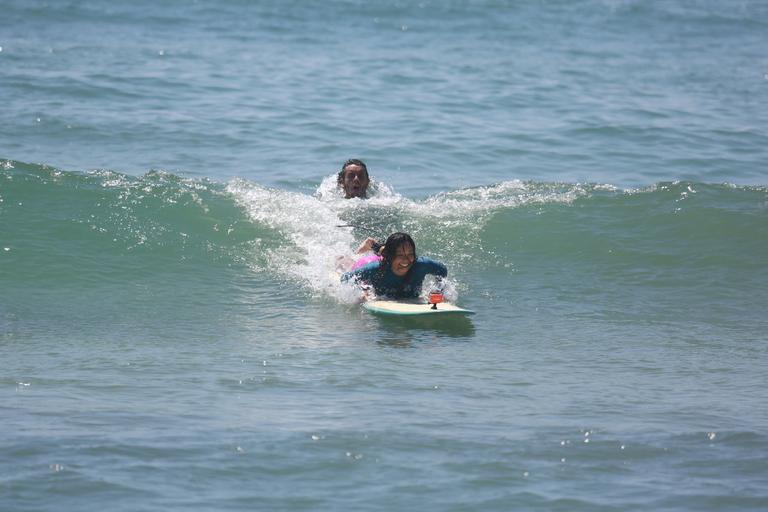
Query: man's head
{"x": 353, "y": 178}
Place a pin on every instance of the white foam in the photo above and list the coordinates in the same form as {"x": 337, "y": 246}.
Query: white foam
{"x": 312, "y": 224}
{"x": 311, "y": 228}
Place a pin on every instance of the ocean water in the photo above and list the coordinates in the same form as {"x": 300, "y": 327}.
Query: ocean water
{"x": 592, "y": 172}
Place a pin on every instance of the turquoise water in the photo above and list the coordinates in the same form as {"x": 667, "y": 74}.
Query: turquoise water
{"x": 172, "y": 336}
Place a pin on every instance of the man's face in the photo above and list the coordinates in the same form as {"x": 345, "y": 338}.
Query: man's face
{"x": 355, "y": 181}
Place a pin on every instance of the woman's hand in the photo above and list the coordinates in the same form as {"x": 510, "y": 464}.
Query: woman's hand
{"x": 366, "y": 246}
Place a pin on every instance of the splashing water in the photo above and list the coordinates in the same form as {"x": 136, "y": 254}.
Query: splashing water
{"x": 319, "y": 242}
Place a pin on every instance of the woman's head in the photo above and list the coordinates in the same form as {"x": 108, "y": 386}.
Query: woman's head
{"x": 398, "y": 254}
{"x": 353, "y": 178}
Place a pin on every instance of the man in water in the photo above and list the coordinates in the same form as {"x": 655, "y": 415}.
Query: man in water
{"x": 353, "y": 179}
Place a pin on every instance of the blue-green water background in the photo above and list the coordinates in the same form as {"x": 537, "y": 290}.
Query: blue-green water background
{"x": 592, "y": 172}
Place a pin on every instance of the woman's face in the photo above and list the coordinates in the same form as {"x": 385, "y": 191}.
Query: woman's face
{"x": 403, "y": 260}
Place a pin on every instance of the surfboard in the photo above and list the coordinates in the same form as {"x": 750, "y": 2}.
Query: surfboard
{"x": 413, "y": 308}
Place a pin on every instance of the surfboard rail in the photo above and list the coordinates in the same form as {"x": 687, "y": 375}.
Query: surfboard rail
{"x": 413, "y": 308}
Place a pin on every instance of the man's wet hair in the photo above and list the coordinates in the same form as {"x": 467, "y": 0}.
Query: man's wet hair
{"x": 351, "y": 161}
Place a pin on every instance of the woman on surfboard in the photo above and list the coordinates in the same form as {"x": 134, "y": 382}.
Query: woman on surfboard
{"x": 400, "y": 273}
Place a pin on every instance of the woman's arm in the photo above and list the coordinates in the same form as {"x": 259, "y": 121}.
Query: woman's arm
{"x": 434, "y": 267}
{"x": 365, "y": 273}
{"x": 369, "y": 244}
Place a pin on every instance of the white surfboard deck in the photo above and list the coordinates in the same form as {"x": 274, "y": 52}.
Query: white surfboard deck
{"x": 413, "y": 307}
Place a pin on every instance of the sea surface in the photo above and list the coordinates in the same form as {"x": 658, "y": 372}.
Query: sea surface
{"x": 173, "y": 335}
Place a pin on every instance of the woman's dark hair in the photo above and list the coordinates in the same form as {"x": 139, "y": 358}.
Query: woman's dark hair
{"x": 351, "y": 161}
{"x": 394, "y": 241}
